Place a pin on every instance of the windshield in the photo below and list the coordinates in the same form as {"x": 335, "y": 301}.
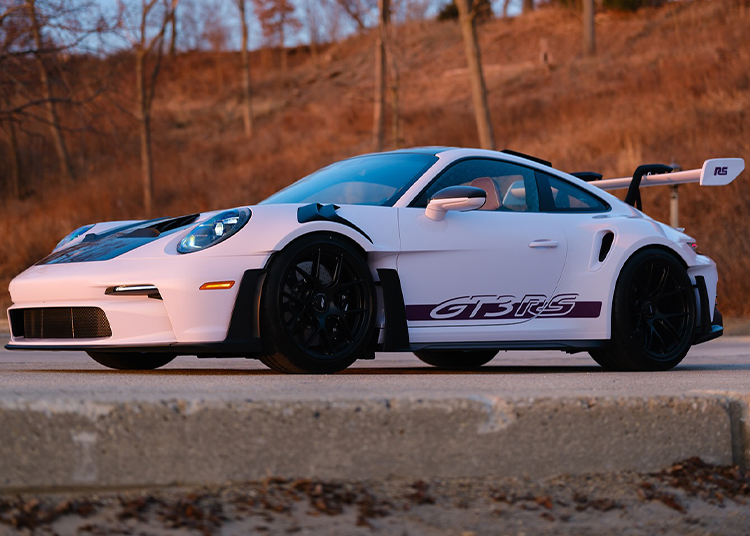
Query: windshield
{"x": 376, "y": 179}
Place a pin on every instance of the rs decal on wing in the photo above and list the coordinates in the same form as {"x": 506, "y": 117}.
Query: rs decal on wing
{"x": 506, "y": 307}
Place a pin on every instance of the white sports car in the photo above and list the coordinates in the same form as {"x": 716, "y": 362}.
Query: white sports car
{"x": 453, "y": 254}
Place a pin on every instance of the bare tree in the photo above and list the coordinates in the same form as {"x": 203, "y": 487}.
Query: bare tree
{"x": 331, "y": 14}
{"x": 149, "y": 43}
{"x": 410, "y": 10}
{"x": 53, "y": 118}
{"x": 506, "y": 4}
{"x": 11, "y": 33}
{"x": 36, "y": 38}
{"x": 247, "y": 94}
{"x": 214, "y": 34}
{"x": 528, "y": 6}
{"x": 312, "y": 11}
{"x": 359, "y": 10}
{"x": 467, "y": 11}
{"x": 277, "y": 19}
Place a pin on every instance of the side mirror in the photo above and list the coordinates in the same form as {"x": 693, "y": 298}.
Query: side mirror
{"x": 461, "y": 198}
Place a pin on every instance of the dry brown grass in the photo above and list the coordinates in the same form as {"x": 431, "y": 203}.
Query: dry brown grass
{"x": 668, "y": 82}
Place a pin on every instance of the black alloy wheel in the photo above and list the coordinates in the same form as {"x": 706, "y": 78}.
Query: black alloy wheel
{"x": 318, "y": 306}
{"x": 653, "y": 318}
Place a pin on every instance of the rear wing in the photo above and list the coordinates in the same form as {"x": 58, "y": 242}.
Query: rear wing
{"x": 715, "y": 172}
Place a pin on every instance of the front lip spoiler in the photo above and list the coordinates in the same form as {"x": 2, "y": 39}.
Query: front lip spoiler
{"x": 244, "y": 348}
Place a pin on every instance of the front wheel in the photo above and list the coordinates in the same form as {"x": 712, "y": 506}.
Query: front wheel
{"x": 131, "y": 360}
{"x": 456, "y": 359}
{"x": 653, "y": 315}
{"x": 318, "y": 306}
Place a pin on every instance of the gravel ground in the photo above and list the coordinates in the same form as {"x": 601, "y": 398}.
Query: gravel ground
{"x": 689, "y": 498}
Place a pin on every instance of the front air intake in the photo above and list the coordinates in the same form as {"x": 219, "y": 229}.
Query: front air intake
{"x": 60, "y": 323}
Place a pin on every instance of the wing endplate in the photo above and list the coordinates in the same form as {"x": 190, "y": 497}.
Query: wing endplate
{"x": 721, "y": 171}
{"x": 715, "y": 172}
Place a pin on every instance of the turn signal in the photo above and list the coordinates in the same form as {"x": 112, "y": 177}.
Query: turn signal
{"x": 217, "y": 285}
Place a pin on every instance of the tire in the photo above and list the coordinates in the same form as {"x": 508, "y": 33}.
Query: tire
{"x": 456, "y": 359}
{"x": 653, "y": 314}
{"x": 317, "y": 307}
{"x": 131, "y": 360}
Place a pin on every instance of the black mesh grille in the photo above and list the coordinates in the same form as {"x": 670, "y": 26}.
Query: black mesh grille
{"x": 61, "y": 323}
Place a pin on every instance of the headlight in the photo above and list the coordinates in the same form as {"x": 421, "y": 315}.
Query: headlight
{"x": 214, "y": 230}
{"x": 72, "y": 236}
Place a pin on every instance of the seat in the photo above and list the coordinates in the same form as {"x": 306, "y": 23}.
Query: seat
{"x": 492, "y": 191}
{"x": 515, "y": 197}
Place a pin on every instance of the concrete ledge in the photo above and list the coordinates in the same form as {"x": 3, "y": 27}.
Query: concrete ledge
{"x": 86, "y": 444}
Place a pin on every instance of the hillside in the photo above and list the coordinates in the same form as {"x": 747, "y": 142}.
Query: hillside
{"x": 666, "y": 83}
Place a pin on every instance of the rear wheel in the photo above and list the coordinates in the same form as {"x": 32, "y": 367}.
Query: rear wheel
{"x": 131, "y": 360}
{"x": 318, "y": 306}
{"x": 653, "y": 314}
{"x": 456, "y": 359}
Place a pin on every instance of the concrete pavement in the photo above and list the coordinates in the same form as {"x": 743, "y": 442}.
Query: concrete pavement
{"x": 66, "y": 422}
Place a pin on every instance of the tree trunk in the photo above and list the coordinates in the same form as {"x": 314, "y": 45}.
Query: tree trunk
{"x": 247, "y": 94}
{"x": 14, "y": 184}
{"x": 173, "y": 36}
{"x": 312, "y": 28}
{"x": 145, "y": 90}
{"x": 282, "y": 38}
{"x": 378, "y": 133}
{"x": 395, "y": 86}
{"x": 589, "y": 43}
{"x": 144, "y": 118}
{"x": 395, "y": 108}
{"x": 505, "y": 8}
{"x": 52, "y": 118}
{"x": 528, "y": 6}
{"x": 478, "y": 89}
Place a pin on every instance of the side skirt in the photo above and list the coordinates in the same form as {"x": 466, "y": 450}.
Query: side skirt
{"x": 566, "y": 346}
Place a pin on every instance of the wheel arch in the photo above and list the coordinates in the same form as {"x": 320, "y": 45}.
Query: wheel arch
{"x": 622, "y": 262}
{"x": 276, "y": 355}
{"x": 624, "y": 353}
{"x": 351, "y": 236}
{"x": 667, "y": 248}
{"x": 258, "y": 285}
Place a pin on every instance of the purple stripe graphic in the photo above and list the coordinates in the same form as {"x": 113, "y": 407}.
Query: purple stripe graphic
{"x": 475, "y": 310}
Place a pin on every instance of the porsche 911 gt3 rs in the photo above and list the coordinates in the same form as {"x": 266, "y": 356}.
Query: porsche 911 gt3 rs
{"x": 450, "y": 253}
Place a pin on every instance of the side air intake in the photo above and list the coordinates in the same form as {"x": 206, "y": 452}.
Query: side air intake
{"x": 607, "y": 241}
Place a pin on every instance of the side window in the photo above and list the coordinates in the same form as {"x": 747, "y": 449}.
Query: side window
{"x": 558, "y": 195}
{"x": 509, "y": 187}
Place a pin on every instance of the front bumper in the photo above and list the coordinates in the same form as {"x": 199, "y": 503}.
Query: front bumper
{"x": 185, "y": 320}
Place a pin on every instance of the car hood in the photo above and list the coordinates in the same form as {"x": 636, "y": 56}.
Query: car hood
{"x": 113, "y": 241}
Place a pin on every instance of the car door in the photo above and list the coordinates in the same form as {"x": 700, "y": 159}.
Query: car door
{"x": 480, "y": 270}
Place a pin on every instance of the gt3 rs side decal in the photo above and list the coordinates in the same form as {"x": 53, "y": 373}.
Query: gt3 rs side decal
{"x": 506, "y": 307}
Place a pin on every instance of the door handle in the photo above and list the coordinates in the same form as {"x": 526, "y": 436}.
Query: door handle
{"x": 544, "y": 243}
